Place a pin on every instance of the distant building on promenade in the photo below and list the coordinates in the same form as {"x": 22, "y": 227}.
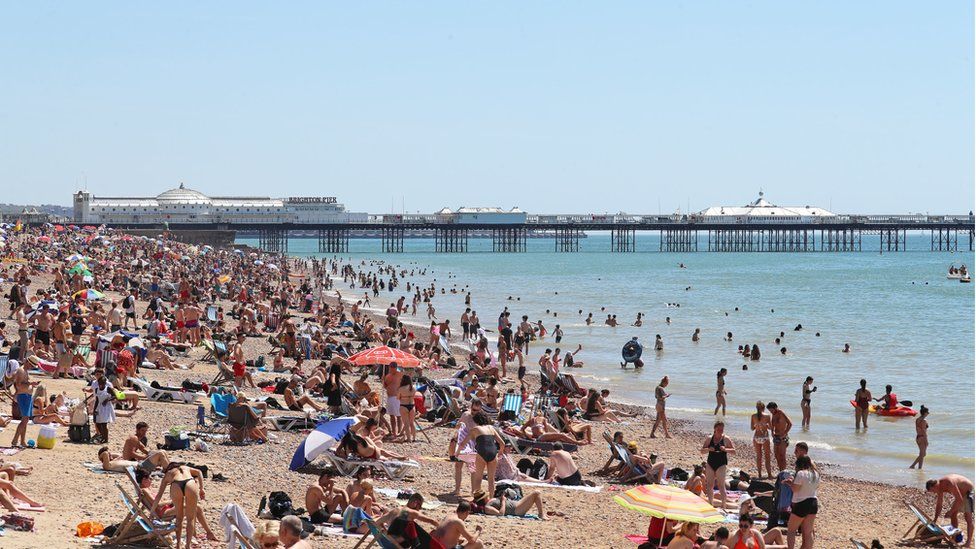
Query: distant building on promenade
{"x": 183, "y": 205}
{"x": 761, "y": 210}
{"x": 465, "y": 215}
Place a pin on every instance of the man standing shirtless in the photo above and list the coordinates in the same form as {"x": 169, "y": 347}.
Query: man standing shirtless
{"x": 451, "y": 530}
{"x": 391, "y": 383}
{"x": 781, "y": 434}
{"x": 961, "y": 490}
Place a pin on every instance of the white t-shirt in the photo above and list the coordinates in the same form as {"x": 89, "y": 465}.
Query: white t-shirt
{"x": 805, "y": 484}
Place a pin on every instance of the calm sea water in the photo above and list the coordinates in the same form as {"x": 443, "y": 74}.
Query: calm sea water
{"x": 907, "y": 324}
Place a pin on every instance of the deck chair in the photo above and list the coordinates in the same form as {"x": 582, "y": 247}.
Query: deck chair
{"x": 927, "y": 531}
{"x": 638, "y": 472}
{"x": 376, "y": 535}
{"x": 221, "y": 348}
{"x": 211, "y": 314}
{"x": 453, "y": 412}
{"x": 219, "y": 404}
{"x": 83, "y": 351}
{"x": 239, "y": 422}
{"x": 211, "y": 350}
{"x": 512, "y": 403}
{"x": 224, "y": 374}
{"x": 271, "y": 322}
{"x": 242, "y": 542}
{"x": 137, "y": 528}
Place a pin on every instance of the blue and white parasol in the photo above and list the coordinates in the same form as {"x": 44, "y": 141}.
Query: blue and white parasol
{"x": 326, "y": 435}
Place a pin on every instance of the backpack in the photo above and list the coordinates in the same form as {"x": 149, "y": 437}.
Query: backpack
{"x": 512, "y": 491}
{"x": 538, "y": 469}
{"x": 279, "y": 505}
{"x": 678, "y": 474}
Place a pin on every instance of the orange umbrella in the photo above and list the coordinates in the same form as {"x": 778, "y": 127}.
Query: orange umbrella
{"x": 385, "y": 355}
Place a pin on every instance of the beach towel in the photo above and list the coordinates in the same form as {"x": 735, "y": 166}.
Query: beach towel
{"x": 8, "y": 451}
{"x": 636, "y": 538}
{"x": 237, "y": 520}
{"x": 589, "y": 489}
{"x": 97, "y": 468}
{"x": 394, "y": 494}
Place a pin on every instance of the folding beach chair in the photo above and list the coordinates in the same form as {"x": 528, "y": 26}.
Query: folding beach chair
{"x": 211, "y": 315}
{"x": 211, "y": 350}
{"x": 224, "y": 374}
{"x": 304, "y": 344}
{"x": 927, "y": 531}
{"x": 219, "y": 404}
{"x": 83, "y": 351}
{"x": 271, "y": 322}
{"x": 137, "y": 528}
{"x": 376, "y": 535}
{"x": 239, "y": 423}
{"x": 512, "y": 403}
{"x": 242, "y": 542}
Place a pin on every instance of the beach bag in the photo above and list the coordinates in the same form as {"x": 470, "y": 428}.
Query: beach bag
{"x": 79, "y": 433}
{"x": 537, "y": 469}
{"x": 679, "y": 474}
{"x": 511, "y": 491}
{"x": 279, "y": 505}
{"x": 176, "y": 442}
{"x": 280, "y": 386}
{"x": 89, "y": 529}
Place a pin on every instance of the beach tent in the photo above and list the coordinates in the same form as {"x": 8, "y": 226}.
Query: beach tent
{"x": 325, "y": 435}
{"x": 669, "y": 502}
{"x": 384, "y": 355}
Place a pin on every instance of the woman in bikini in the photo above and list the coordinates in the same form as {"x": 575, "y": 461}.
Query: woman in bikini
{"x": 363, "y": 447}
{"x": 407, "y": 413}
{"x": 862, "y": 401}
{"x": 805, "y": 402}
{"x": 696, "y": 482}
{"x": 487, "y": 446}
{"x": 186, "y": 490}
{"x": 718, "y": 447}
{"x": 720, "y": 391}
{"x": 760, "y": 425}
{"x": 582, "y": 432}
{"x": 746, "y": 537}
{"x": 921, "y": 436}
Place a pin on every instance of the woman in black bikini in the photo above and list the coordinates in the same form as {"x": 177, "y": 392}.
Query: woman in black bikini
{"x": 718, "y": 447}
{"x": 487, "y": 446}
{"x": 406, "y": 393}
{"x": 186, "y": 490}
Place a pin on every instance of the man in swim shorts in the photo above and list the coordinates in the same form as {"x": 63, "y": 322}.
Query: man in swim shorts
{"x": 562, "y": 468}
{"x": 781, "y": 426}
{"x": 23, "y": 388}
{"x": 961, "y": 490}
{"x": 391, "y": 383}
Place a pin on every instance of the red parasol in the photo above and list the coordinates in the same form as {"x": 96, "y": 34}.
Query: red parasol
{"x": 385, "y": 355}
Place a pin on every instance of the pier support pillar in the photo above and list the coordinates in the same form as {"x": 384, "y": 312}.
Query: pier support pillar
{"x": 679, "y": 240}
{"x": 945, "y": 239}
{"x": 273, "y": 240}
{"x": 391, "y": 239}
{"x": 567, "y": 240}
{"x": 893, "y": 240}
{"x": 508, "y": 239}
{"x": 623, "y": 240}
{"x": 451, "y": 240}
{"x": 333, "y": 240}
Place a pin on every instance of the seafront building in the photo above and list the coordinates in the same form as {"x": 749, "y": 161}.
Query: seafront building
{"x": 184, "y": 205}
{"x": 761, "y": 210}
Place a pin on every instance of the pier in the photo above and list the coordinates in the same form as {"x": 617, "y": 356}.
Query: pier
{"x": 677, "y": 234}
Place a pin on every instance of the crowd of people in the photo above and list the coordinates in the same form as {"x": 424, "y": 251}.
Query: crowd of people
{"x": 113, "y": 306}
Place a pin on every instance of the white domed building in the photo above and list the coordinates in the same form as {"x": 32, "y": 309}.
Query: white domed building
{"x": 184, "y": 205}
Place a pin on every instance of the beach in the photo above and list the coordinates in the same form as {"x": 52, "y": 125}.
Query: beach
{"x": 74, "y": 494}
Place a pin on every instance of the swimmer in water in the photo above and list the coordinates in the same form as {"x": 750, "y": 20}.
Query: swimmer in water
{"x": 695, "y": 337}
{"x": 639, "y": 322}
{"x": 728, "y": 336}
{"x": 847, "y": 348}
{"x": 658, "y": 343}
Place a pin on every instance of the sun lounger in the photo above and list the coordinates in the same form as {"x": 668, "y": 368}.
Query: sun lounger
{"x": 524, "y": 446}
{"x": 137, "y": 528}
{"x": 395, "y": 469}
{"x": 927, "y": 531}
{"x": 291, "y": 423}
{"x": 166, "y": 394}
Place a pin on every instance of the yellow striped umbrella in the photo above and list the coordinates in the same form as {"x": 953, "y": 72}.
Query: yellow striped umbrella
{"x": 669, "y": 502}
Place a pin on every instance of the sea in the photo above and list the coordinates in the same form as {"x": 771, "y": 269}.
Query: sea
{"x": 907, "y": 324}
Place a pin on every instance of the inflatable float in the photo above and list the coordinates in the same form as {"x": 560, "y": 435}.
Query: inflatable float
{"x": 897, "y": 411}
{"x": 631, "y": 353}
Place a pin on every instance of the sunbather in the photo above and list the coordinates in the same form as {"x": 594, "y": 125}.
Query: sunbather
{"x": 538, "y": 429}
{"x": 562, "y": 468}
{"x": 135, "y": 448}
{"x": 361, "y": 447}
{"x": 582, "y": 432}
{"x": 113, "y": 462}
{"x": 451, "y": 530}
{"x": 508, "y": 507}
{"x": 10, "y": 494}
{"x": 400, "y": 523}
{"x": 323, "y": 499}
{"x": 297, "y": 403}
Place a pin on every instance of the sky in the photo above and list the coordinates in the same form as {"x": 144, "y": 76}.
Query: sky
{"x": 554, "y": 107}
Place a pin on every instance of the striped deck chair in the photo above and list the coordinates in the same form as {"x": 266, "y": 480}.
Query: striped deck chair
{"x": 927, "y": 531}
{"x": 304, "y": 344}
{"x": 137, "y": 528}
{"x": 211, "y": 314}
{"x": 105, "y": 356}
{"x": 376, "y": 535}
{"x": 271, "y": 322}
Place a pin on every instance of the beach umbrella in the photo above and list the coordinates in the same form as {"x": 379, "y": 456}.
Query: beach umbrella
{"x": 44, "y": 239}
{"x": 258, "y": 262}
{"x": 75, "y": 257}
{"x": 89, "y": 295}
{"x": 238, "y": 251}
{"x": 325, "y": 435}
{"x": 272, "y": 266}
{"x": 384, "y": 355}
{"x": 669, "y": 502}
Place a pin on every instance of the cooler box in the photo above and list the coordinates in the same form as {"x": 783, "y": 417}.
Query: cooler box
{"x": 47, "y": 437}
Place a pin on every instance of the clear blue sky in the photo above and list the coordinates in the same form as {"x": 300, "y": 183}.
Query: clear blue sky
{"x": 552, "y": 106}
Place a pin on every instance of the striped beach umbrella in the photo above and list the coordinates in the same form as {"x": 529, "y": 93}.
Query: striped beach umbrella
{"x": 384, "y": 355}
{"x": 669, "y": 502}
{"x": 325, "y": 435}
